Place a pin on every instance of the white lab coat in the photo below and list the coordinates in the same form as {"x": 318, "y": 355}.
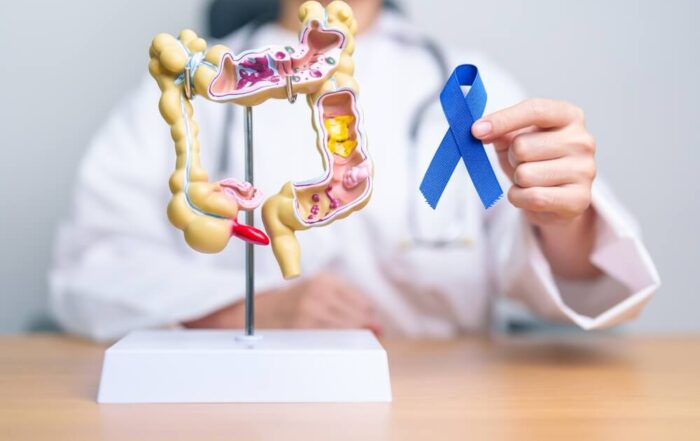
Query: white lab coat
{"x": 119, "y": 265}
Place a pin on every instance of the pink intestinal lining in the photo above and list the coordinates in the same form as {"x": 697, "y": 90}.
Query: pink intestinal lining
{"x": 255, "y": 71}
{"x": 331, "y": 184}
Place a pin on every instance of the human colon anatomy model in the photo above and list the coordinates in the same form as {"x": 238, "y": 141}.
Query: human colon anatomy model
{"x": 321, "y": 67}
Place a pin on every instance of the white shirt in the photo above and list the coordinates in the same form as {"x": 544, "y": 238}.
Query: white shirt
{"x": 119, "y": 265}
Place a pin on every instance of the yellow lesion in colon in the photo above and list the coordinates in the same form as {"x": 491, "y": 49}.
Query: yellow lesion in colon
{"x": 338, "y": 129}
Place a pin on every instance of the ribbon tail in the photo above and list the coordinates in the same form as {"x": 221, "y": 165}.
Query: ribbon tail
{"x": 484, "y": 178}
{"x": 440, "y": 170}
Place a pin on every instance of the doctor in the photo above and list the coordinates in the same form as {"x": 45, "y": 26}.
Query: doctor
{"x": 560, "y": 244}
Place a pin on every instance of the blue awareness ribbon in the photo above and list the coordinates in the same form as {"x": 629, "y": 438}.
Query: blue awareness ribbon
{"x": 461, "y": 112}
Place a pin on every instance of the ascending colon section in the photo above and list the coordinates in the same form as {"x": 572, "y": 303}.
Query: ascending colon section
{"x": 205, "y": 211}
{"x": 347, "y": 181}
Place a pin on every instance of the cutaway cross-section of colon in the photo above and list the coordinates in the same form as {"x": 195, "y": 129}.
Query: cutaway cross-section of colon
{"x": 321, "y": 67}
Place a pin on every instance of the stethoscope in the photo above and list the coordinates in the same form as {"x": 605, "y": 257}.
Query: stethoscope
{"x": 451, "y": 235}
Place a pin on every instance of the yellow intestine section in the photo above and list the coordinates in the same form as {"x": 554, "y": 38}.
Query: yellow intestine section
{"x": 338, "y": 131}
{"x": 208, "y": 233}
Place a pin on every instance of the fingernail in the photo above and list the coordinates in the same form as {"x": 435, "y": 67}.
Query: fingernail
{"x": 481, "y": 128}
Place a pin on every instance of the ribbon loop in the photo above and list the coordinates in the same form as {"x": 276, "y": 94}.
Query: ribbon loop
{"x": 461, "y": 112}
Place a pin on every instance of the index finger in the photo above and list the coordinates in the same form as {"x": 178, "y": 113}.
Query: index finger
{"x": 542, "y": 113}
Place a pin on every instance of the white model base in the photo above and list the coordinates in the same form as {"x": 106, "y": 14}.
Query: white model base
{"x": 207, "y": 366}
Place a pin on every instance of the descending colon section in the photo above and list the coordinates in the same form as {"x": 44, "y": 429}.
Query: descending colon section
{"x": 345, "y": 184}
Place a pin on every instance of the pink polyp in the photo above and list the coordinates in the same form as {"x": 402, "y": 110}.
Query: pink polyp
{"x": 246, "y": 196}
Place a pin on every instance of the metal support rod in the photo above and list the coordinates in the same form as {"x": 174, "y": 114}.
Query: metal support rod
{"x": 250, "y": 220}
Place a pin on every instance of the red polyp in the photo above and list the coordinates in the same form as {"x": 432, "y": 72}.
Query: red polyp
{"x": 249, "y": 234}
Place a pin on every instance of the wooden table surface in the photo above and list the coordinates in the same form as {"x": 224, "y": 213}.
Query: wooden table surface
{"x": 593, "y": 388}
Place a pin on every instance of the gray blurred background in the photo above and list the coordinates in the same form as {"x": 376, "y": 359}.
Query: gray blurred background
{"x": 633, "y": 66}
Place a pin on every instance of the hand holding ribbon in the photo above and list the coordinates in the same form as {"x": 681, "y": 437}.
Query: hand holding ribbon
{"x": 543, "y": 146}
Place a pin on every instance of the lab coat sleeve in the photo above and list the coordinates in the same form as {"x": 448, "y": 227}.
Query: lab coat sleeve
{"x": 118, "y": 264}
{"x": 629, "y": 276}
